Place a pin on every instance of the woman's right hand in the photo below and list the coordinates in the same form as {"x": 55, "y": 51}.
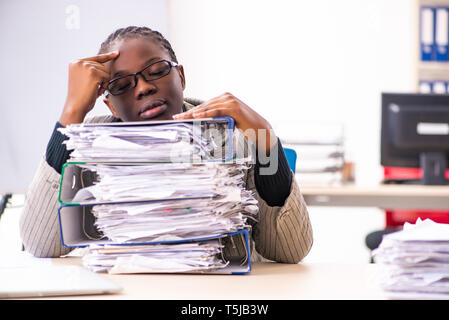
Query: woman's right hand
{"x": 87, "y": 80}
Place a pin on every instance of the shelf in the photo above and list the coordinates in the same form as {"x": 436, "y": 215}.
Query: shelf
{"x": 433, "y": 70}
{"x": 430, "y": 70}
{"x": 434, "y": 2}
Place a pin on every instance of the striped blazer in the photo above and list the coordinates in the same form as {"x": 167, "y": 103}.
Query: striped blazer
{"x": 282, "y": 234}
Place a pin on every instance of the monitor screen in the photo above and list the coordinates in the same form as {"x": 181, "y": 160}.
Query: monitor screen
{"x": 415, "y": 134}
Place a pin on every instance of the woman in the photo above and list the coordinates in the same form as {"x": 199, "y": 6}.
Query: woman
{"x": 138, "y": 72}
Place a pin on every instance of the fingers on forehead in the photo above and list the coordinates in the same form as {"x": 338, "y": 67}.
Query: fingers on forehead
{"x": 103, "y": 57}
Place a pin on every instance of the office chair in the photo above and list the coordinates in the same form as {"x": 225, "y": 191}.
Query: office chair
{"x": 290, "y": 154}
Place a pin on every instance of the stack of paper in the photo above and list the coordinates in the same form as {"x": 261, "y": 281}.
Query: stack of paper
{"x": 171, "y": 142}
{"x": 171, "y": 220}
{"x": 162, "y": 181}
{"x": 415, "y": 261}
{"x": 161, "y": 258}
{"x": 158, "y": 213}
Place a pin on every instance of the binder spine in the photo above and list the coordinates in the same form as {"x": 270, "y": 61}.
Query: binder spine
{"x": 441, "y": 34}
{"x": 427, "y": 33}
{"x": 61, "y": 181}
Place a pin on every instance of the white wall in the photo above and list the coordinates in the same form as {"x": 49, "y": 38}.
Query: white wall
{"x": 39, "y": 39}
{"x": 302, "y": 61}
{"x": 333, "y": 58}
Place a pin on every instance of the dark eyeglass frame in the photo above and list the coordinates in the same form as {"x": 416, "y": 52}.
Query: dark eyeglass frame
{"x": 134, "y": 75}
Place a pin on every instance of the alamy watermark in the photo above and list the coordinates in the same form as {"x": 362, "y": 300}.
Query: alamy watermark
{"x": 223, "y": 146}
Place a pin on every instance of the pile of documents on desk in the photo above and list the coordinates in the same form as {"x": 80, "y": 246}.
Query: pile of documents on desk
{"x": 415, "y": 261}
{"x": 159, "y": 214}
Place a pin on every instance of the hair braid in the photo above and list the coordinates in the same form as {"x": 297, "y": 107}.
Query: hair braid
{"x": 136, "y": 32}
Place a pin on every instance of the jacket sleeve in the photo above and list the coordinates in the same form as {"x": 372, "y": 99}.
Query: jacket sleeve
{"x": 39, "y": 225}
{"x": 282, "y": 234}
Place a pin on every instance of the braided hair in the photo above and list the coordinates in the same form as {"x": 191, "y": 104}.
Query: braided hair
{"x": 133, "y": 32}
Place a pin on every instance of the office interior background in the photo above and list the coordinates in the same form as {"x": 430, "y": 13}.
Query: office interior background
{"x": 295, "y": 62}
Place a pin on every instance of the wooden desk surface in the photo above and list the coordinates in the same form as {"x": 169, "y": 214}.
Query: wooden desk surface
{"x": 381, "y": 196}
{"x": 271, "y": 281}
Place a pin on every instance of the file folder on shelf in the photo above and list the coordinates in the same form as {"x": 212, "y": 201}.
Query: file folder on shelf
{"x": 427, "y": 33}
{"x": 77, "y": 230}
{"x": 441, "y": 34}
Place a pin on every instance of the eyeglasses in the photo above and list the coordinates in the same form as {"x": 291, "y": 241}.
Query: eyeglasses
{"x": 153, "y": 71}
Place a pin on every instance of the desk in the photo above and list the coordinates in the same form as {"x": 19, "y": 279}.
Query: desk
{"x": 381, "y": 196}
{"x": 272, "y": 281}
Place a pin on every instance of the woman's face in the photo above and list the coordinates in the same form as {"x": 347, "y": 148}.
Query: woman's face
{"x": 158, "y": 99}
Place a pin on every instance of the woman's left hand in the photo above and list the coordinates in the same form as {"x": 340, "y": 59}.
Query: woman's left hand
{"x": 254, "y": 127}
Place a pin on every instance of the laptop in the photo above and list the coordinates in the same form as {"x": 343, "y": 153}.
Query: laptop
{"x": 50, "y": 280}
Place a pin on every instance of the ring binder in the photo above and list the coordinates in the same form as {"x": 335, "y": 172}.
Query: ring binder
{"x": 427, "y": 25}
{"x": 73, "y": 236}
{"x": 441, "y": 34}
{"x": 137, "y": 145}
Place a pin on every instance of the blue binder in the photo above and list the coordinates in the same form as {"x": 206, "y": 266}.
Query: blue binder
{"x": 441, "y": 34}
{"x": 77, "y": 230}
{"x": 427, "y": 33}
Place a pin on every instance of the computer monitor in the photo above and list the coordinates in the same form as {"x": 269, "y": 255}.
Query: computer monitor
{"x": 415, "y": 134}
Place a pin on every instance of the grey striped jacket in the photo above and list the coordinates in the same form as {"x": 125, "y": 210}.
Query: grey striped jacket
{"x": 282, "y": 234}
